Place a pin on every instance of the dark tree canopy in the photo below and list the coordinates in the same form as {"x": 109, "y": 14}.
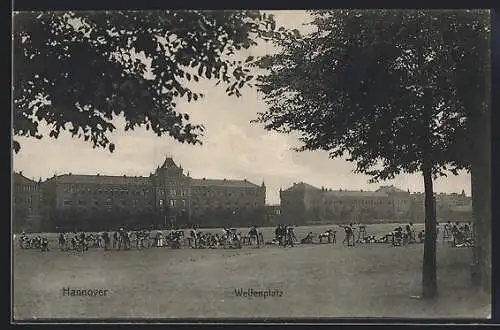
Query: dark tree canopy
{"x": 76, "y": 70}
{"x": 370, "y": 83}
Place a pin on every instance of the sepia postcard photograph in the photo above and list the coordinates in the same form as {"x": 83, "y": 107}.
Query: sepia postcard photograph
{"x": 251, "y": 164}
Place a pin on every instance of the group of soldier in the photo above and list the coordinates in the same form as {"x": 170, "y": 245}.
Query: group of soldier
{"x": 284, "y": 236}
{"x": 228, "y": 238}
{"x": 461, "y": 235}
{"x": 36, "y": 242}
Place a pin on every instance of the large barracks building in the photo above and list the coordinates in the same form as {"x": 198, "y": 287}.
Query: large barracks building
{"x": 169, "y": 197}
{"x": 303, "y": 204}
{"x": 165, "y": 198}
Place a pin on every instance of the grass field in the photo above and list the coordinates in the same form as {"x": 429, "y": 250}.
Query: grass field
{"x": 374, "y": 280}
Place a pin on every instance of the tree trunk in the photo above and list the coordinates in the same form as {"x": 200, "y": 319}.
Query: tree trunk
{"x": 481, "y": 202}
{"x": 429, "y": 277}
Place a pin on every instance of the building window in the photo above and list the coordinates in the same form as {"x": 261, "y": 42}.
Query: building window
{"x": 80, "y": 202}
{"x": 183, "y": 203}
{"x": 172, "y": 192}
{"x": 160, "y": 202}
{"x": 66, "y": 202}
{"x": 109, "y": 203}
{"x": 172, "y": 202}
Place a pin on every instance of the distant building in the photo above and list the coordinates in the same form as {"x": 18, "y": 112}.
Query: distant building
{"x": 227, "y": 202}
{"x": 26, "y": 201}
{"x": 306, "y": 204}
{"x": 273, "y": 215}
{"x": 299, "y": 204}
{"x": 449, "y": 207}
{"x": 85, "y": 202}
{"x": 165, "y": 198}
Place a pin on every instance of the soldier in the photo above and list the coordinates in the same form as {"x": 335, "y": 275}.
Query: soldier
{"x": 44, "y": 244}
{"x": 106, "y": 239}
{"x": 308, "y": 239}
{"x": 290, "y": 236}
{"x": 115, "y": 239}
{"x": 83, "y": 242}
{"x": 194, "y": 236}
{"x": 349, "y": 235}
{"x": 254, "y": 233}
{"x": 62, "y": 242}
{"x": 159, "y": 239}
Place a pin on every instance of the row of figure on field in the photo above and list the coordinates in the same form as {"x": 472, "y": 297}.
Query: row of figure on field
{"x": 456, "y": 234}
{"x": 229, "y": 237}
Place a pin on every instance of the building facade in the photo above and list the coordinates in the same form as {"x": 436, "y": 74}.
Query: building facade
{"x": 26, "y": 202}
{"x": 304, "y": 204}
{"x": 449, "y": 207}
{"x": 166, "y": 198}
{"x": 273, "y": 215}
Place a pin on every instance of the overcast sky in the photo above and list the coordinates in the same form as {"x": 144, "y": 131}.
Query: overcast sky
{"x": 233, "y": 148}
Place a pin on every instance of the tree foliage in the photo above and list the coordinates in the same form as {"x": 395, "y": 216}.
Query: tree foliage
{"x": 78, "y": 70}
{"x": 369, "y": 83}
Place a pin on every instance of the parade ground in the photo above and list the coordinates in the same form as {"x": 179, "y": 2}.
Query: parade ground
{"x": 319, "y": 280}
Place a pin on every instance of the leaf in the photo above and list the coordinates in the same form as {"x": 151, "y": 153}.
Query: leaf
{"x": 111, "y": 147}
{"x": 249, "y": 59}
{"x": 16, "y": 146}
{"x": 188, "y": 76}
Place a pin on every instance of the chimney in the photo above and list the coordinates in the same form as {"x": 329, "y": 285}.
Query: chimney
{"x": 69, "y": 173}
{"x": 21, "y": 172}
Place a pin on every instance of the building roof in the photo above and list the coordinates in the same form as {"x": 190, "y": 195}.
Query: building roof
{"x": 223, "y": 183}
{"x": 358, "y": 193}
{"x": 19, "y": 177}
{"x": 390, "y": 189}
{"x": 100, "y": 179}
{"x": 302, "y": 186}
{"x": 169, "y": 163}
